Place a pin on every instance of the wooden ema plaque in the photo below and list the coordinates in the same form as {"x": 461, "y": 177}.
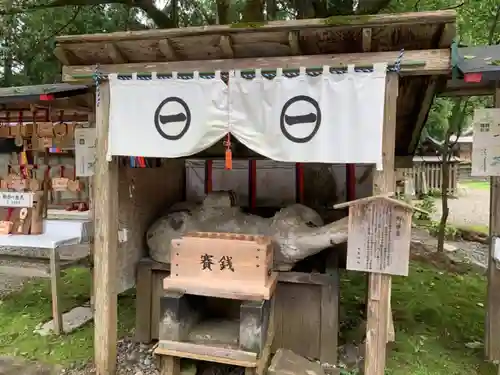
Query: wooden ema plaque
{"x": 379, "y": 235}
{"x": 222, "y": 265}
{"x": 20, "y": 213}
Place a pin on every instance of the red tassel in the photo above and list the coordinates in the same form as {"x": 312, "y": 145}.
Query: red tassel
{"x": 229, "y": 154}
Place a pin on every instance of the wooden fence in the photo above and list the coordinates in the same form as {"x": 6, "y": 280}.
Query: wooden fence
{"x": 424, "y": 178}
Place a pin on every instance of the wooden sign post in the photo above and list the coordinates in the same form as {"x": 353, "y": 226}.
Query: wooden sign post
{"x": 379, "y": 235}
{"x": 486, "y": 143}
{"x": 492, "y": 329}
{"x": 378, "y": 243}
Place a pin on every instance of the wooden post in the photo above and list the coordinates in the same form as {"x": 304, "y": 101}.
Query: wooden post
{"x": 106, "y": 243}
{"x": 379, "y": 285}
{"x": 492, "y": 340}
{"x": 91, "y": 118}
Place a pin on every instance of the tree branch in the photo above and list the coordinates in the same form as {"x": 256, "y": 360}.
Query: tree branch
{"x": 60, "y": 3}
{"x": 493, "y": 27}
{"x": 454, "y": 6}
{"x": 159, "y": 18}
{"x": 372, "y": 6}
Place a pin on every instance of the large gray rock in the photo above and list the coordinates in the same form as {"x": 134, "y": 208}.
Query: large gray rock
{"x": 297, "y": 230}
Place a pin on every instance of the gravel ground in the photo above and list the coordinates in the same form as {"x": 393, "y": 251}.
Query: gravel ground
{"x": 472, "y": 207}
{"x": 138, "y": 359}
{"x": 459, "y": 251}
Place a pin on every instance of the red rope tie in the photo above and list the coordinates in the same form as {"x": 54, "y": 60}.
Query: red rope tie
{"x": 229, "y": 154}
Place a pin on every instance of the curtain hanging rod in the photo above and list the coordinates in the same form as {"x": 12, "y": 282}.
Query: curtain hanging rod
{"x": 333, "y": 68}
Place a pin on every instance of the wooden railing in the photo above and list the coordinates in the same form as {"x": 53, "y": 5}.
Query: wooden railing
{"x": 424, "y": 178}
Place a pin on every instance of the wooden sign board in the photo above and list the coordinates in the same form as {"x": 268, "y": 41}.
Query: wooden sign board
{"x": 486, "y": 142}
{"x": 222, "y": 265}
{"x": 6, "y": 227}
{"x": 85, "y": 151}
{"x": 60, "y": 184}
{"x": 379, "y": 237}
{"x": 16, "y": 199}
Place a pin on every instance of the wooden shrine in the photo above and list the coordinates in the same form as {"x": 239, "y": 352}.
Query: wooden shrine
{"x": 44, "y": 199}
{"x": 226, "y": 269}
{"x": 426, "y": 38}
{"x": 39, "y": 123}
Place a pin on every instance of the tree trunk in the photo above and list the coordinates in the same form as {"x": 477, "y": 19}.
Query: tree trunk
{"x": 253, "y": 11}
{"x": 8, "y": 42}
{"x": 445, "y": 173}
{"x": 7, "y": 69}
{"x": 271, "y": 10}
{"x": 223, "y": 12}
{"x": 455, "y": 123}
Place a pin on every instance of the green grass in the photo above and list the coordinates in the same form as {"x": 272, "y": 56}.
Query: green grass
{"x": 481, "y": 185}
{"x": 22, "y": 311}
{"x": 484, "y": 229}
{"x": 436, "y": 313}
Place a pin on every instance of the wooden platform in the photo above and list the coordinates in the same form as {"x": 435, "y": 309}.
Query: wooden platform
{"x": 311, "y": 332}
{"x": 224, "y": 290}
{"x": 200, "y": 352}
{"x": 227, "y": 352}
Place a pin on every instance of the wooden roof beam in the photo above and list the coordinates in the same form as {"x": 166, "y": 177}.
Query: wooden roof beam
{"x": 226, "y": 46}
{"x": 64, "y": 56}
{"x": 445, "y": 39}
{"x": 167, "y": 50}
{"x": 367, "y": 39}
{"x": 27, "y": 116}
{"x": 433, "y": 62}
{"x": 115, "y": 54}
{"x": 460, "y": 88}
{"x": 344, "y": 22}
{"x": 293, "y": 41}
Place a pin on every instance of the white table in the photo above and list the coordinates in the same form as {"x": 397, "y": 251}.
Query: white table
{"x": 56, "y": 234}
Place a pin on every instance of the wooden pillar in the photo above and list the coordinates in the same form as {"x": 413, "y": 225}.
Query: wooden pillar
{"x": 492, "y": 340}
{"x": 91, "y": 123}
{"x": 379, "y": 285}
{"x": 254, "y": 320}
{"x": 105, "y": 243}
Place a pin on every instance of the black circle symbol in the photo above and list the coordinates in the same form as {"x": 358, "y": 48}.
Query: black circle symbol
{"x": 300, "y": 119}
{"x": 161, "y": 120}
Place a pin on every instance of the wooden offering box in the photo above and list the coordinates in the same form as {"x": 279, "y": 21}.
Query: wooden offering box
{"x": 223, "y": 265}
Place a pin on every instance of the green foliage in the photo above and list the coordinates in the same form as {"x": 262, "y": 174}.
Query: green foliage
{"x": 427, "y": 206}
{"x": 437, "y": 121}
{"x": 450, "y": 232}
{"x": 437, "y": 313}
{"x": 28, "y": 38}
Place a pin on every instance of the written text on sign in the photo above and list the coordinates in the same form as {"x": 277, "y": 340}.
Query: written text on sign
{"x": 16, "y": 199}
{"x": 222, "y": 258}
{"x": 225, "y": 262}
{"x": 379, "y": 238}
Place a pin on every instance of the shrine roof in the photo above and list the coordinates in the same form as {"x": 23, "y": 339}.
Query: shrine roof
{"x": 478, "y": 59}
{"x": 19, "y": 102}
{"x": 340, "y": 34}
{"x": 382, "y": 197}
{"x": 363, "y": 40}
